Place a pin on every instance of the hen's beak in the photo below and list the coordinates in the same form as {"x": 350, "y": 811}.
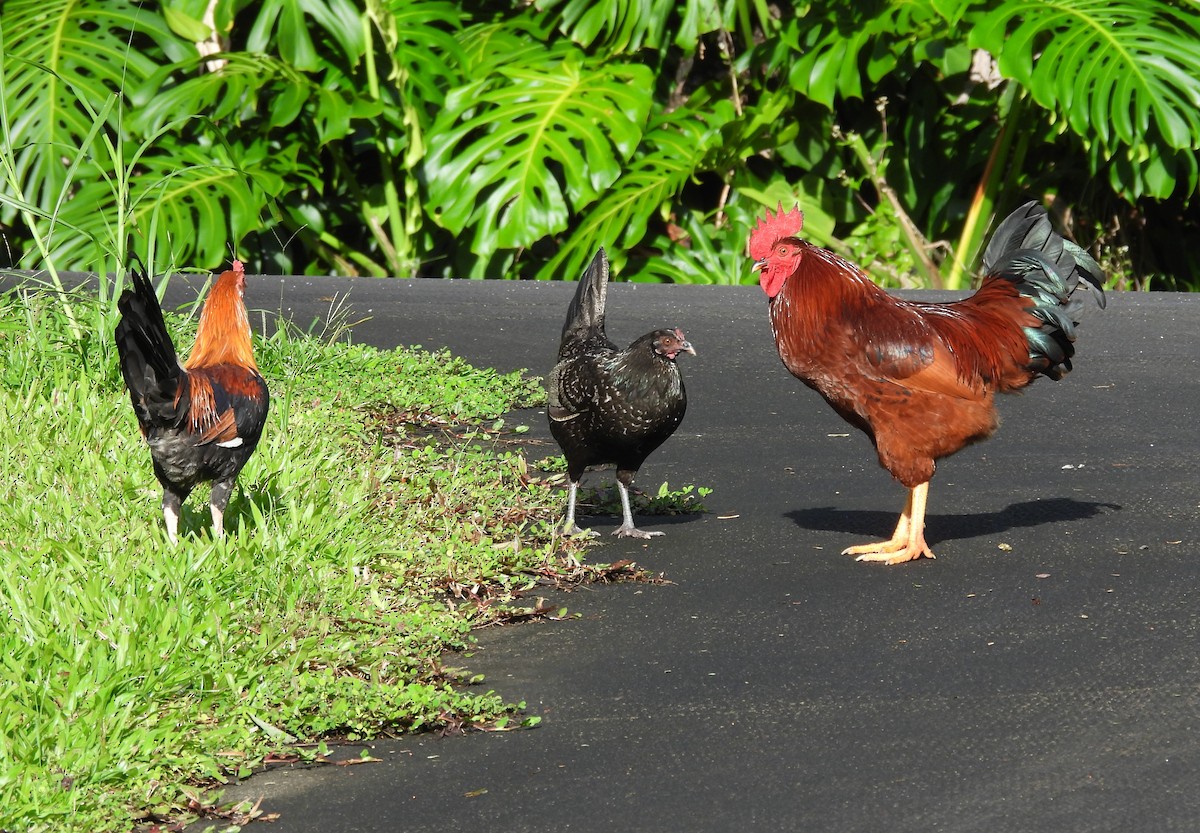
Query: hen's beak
{"x": 685, "y": 346}
{"x": 758, "y": 264}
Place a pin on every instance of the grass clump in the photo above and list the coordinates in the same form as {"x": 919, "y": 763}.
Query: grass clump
{"x": 132, "y": 672}
{"x": 686, "y": 500}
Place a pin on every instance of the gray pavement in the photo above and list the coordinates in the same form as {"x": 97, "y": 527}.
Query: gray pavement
{"x": 1043, "y": 674}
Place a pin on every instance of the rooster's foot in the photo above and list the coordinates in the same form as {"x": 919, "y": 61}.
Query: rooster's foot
{"x": 891, "y": 552}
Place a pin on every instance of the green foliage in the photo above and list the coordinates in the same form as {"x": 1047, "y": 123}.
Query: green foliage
{"x": 62, "y": 62}
{"x": 132, "y": 670}
{"x": 676, "y": 147}
{"x": 510, "y": 154}
{"x": 688, "y": 500}
{"x": 622, "y": 26}
{"x": 290, "y": 26}
{"x": 625, "y": 26}
{"x": 1121, "y": 75}
{"x": 388, "y": 137}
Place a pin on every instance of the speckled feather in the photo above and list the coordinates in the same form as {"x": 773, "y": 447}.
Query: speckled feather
{"x": 608, "y": 405}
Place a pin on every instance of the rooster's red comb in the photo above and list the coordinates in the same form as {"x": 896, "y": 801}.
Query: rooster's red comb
{"x": 772, "y": 228}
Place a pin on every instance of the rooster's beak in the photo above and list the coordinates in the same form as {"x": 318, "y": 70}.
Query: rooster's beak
{"x": 758, "y": 264}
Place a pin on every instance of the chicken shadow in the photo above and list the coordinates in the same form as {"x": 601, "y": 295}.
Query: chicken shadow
{"x": 878, "y": 524}
{"x": 195, "y": 519}
{"x": 601, "y": 502}
{"x": 263, "y": 495}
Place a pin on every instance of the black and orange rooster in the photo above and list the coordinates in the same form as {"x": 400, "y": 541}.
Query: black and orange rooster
{"x": 920, "y": 378}
{"x": 201, "y": 420}
{"x": 608, "y": 405}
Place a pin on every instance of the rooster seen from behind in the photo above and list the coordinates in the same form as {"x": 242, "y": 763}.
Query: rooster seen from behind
{"x": 608, "y": 405}
{"x": 201, "y": 420}
{"x": 920, "y": 378}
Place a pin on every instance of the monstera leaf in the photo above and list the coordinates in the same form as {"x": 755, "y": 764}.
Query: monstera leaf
{"x": 486, "y": 47}
{"x": 194, "y": 201}
{"x": 624, "y": 25}
{"x": 421, "y": 44}
{"x": 59, "y": 55}
{"x": 289, "y": 26}
{"x": 511, "y": 155}
{"x": 676, "y": 146}
{"x": 843, "y": 49}
{"x": 1120, "y": 72}
{"x": 245, "y": 84}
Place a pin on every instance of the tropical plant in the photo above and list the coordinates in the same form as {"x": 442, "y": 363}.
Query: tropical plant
{"x": 489, "y": 139}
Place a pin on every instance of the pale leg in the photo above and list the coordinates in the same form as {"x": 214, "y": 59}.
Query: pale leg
{"x": 568, "y": 526}
{"x": 171, "y": 505}
{"x": 908, "y": 541}
{"x": 627, "y": 529}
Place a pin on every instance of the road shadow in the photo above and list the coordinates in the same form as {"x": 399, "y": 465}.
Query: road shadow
{"x": 877, "y": 524}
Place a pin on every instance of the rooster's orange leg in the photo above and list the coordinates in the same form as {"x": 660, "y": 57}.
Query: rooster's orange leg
{"x": 908, "y": 541}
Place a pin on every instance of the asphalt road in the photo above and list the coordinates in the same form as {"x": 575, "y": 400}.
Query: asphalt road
{"x": 1043, "y": 674}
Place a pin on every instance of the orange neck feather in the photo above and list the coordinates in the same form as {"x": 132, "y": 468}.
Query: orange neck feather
{"x": 223, "y": 336}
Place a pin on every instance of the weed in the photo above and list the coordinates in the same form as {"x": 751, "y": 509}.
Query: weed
{"x": 666, "y": 501}
{"x": 688, "y": 500}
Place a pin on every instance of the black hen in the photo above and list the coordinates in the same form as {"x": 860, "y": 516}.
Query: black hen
{"x": 608, "y": 405}
{"x": 202, "y": 421}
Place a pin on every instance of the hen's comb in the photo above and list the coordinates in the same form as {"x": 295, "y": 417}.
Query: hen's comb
{"x": 772, "y": 228}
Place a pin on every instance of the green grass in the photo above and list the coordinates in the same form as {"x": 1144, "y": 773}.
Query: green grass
{"x": 604, "y": 499}
{"x": 134, "y": 673}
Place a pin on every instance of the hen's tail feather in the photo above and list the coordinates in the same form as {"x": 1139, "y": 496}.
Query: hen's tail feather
{"x": 585, "y": 315}
{"x": 1050, "y": 271}
{"x": 148, "y": 360}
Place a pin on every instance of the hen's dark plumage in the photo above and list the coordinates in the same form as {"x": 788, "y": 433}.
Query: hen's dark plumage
{"x": 608, "y": 405}
{"x": 203, "y": 421}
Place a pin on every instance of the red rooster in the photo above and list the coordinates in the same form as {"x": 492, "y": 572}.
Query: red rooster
{"x": 920, "y": 378}
{"x": 201, "y": 420}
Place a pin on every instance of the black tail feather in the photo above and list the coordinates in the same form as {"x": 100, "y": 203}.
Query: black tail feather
{"x": 585, "y": 315}
{"x": 149, "y": 363}
{"x": 1059, "y": 276}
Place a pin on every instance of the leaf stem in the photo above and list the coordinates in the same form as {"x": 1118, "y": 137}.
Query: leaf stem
{"x": 913, "y": 239}
{"x": 396, "y": 231}
{"x": 983, "y": 204}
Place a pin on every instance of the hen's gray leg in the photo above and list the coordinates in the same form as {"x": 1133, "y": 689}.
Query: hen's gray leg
{"x": 569, "y": 527}
{"x": 627, "y": 529}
